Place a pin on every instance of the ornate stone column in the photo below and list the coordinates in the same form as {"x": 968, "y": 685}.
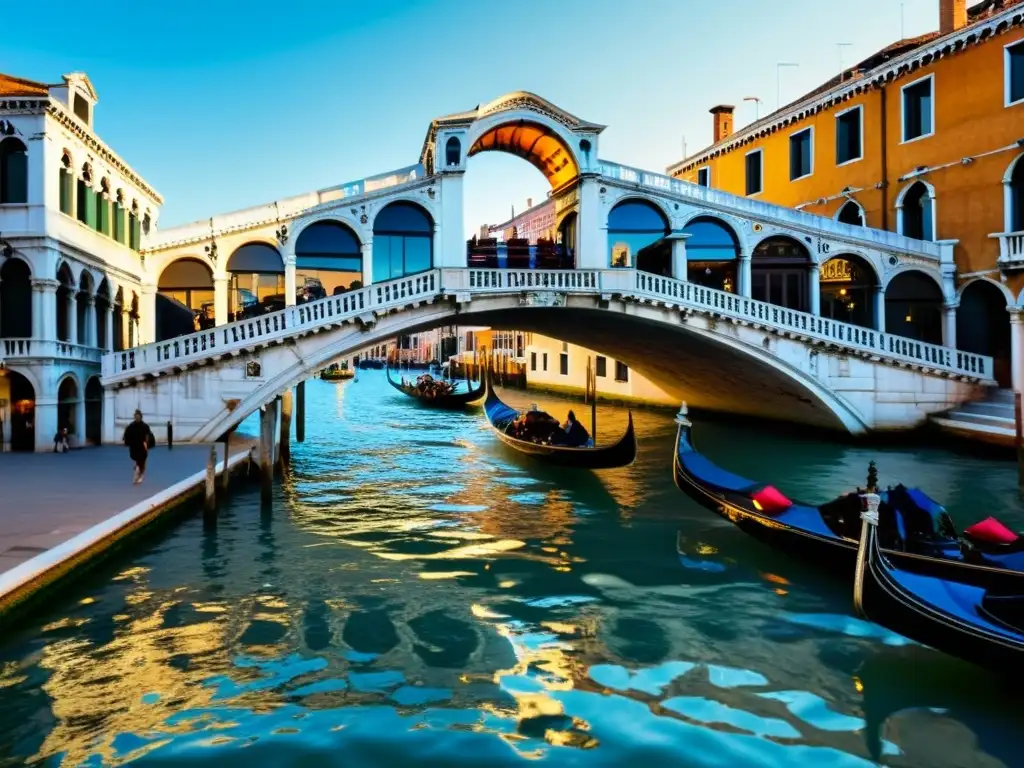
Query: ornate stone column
{"x": 679, "y": 266}
{"x": 289, "y": 282}
{"x": 814, "y": 289}
{"x": 1016, "y": 348}
{"x": 72, "y": 316}
{"x": 743, "y": 276}
{"x": 44, "y": 309}
{"x": 220, "y": 299}
{"x": 108, "y": 341}
{"x": 367, "y": 249}
{"x": 90, "y": 322}
{"x": 879, "y": 299}
{"x": 949, "y": 324}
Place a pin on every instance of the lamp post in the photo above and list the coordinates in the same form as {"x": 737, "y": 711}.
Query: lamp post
{"x": 778, "y": 81}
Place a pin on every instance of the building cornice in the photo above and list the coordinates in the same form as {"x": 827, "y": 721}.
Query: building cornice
{"x": 879, "y": 77}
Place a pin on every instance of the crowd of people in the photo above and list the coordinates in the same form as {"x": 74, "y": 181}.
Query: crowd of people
{"x": 536, "y": 426}
{"x": 429, "y": 388}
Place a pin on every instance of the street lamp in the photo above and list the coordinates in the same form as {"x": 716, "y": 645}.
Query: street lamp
{"x": 757, "y": 105}
{"x": 778, "y": 81}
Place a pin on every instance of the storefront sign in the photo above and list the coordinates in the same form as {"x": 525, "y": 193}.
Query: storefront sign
{"x": 838, "y": 271}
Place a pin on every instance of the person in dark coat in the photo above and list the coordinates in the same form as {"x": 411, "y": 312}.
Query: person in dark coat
{"x": 576, "y": 434}
{"x": 139, "y": 439}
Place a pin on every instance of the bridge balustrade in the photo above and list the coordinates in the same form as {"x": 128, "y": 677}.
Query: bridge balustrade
{"x": 629, "y": 285}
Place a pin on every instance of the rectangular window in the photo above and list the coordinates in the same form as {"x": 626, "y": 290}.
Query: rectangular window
{"x": 118, "y": 220}
{"x": 601, "y": 367}
{"x": 563, "y": 364}
{"x": 621, "y": 371}
{"x": 67, "y": 199}
{"x": 533, "y": 361}
{"x": 918, "y": 109}
{"x": 704, "y": 177}
{"x": 84, "y": 193}
{"x": 14, "y": 178}
{"x": 754, "y": 172}
{"x": 133, "y": 231}
{"x": 102, "y": 215}
{"x": 544, "y": 360}
{"x": 1015, "y": 73}
{"x": 801, "y": 154}
{"x": 849, "y": 145}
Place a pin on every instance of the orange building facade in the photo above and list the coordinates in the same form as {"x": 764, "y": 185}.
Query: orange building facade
{"x": 925, "y": 138}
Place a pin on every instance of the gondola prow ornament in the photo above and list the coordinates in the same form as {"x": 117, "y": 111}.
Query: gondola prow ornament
{"x": 869, "y": 514}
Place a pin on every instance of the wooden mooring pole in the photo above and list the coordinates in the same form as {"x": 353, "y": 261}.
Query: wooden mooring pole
{"x": 286, "y": 428}
{"x": 210, "y": 505}
{"x": 225, "y": 477}
{"x": 268, "y": 420}
{"x": 300, "y": 412}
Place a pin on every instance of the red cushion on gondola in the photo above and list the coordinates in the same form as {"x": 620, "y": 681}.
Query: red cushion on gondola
{"x": 992, "y": 531}
{"x": 770, "y": 499}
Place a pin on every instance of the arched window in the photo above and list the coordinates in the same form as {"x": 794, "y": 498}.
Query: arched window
{"x": 453, "y": 151}
{"x": 134, "y": 233}
{"x": 86, "y": 203}
{"x": 917, "y": 215}
{"x": 778, "y": 273}
{"x": 82, "y": 300}
{"x": 13, "y": 171}
{"x": 67, "y": 186}
{"x": 711, "y": 254}
{"x": 65, "y": 302}
{"x": 1014, "y": 182}
{"x": 328, "y": 260}
{"x": 117, "y": 219}
{"x": 103, "y": 315}
{"x": 851, "y": 213}
{"x": 257, "y": 280}
{"x": 403, "y": 241}
{"x": 118, "y": 319}
{"x": 913, "y": 307}
{"x": 983, "y": 326}
{"x": 848, "y": 288}
{"x": 636, "y": 237}
{"x": 15, "y": 300}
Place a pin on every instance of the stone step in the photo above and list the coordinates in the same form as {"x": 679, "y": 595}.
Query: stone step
{"x": 986, "y": 409}
{"x": 986, "y": 433}
{"x": 982, "y": 418}
{"x": 1000, "y": 396}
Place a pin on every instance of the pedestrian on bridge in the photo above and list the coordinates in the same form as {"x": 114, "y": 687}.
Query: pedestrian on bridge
{"x": 139, "y": 439}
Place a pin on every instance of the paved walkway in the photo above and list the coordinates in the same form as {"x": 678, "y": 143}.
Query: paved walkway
{"x": 47, "y": 498}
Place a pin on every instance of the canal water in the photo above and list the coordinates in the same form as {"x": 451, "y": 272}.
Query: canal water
{"x": 418, "y": 595}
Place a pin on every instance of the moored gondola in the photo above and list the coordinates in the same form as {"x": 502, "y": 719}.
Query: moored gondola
{"x": 978, "y": 625}
{"x": 452, "y": 401}
{"x": 621, "y": 453}
{"x": 917, "y": 534}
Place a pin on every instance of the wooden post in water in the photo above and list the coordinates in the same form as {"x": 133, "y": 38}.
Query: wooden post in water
{"x": 225, "y": 477}
{"x": 592, "y": 385}
{"x": 268, "y": 421}
{"x": 286, "y": 428}
{"x": 300, "y": 412}
{"x": 1019, "y": 444}
{"x": 210, "y": 506}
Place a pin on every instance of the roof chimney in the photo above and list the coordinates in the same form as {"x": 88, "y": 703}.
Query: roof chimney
{"x": 529, "y": 202}
{"x": 723, "y": 121}
{"x": 952, "y": 15}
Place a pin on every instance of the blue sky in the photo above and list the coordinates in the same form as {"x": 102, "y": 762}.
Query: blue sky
{"x": 225, "y": 104}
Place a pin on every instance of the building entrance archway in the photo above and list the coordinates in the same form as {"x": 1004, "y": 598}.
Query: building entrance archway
{"x": 848, "y": 287}
{"x": 93, "y": 411}
{"x": 17, "y": 412}
{"x": 983, "y": 326}
{"x": 779, "y": 270}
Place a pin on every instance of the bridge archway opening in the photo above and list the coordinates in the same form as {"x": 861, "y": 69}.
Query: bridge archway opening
{"x": 779, "y": 269}
{"x": 257, "y": 280}
{"x": 184, "y": 301}
{"x": 637, "y": 237}
{"x": 913, "y": 307}
{"x": 983, "y": 326}
{"x": 403, "y": 241}
{"x": 18, "y": 429}
{"x": 15, "y": 300}
{"x": 712, "y": 252}
{"x": 328, "y": 260}
{"x": 848, "y": 285}
{"x": 538, "y": 144}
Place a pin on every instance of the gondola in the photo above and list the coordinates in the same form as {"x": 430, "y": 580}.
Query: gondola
{"x": 622, "y": 453}
{"x": 453, "y": 401}
{"x": 978, "y": 625}
{"x": 917, "y": 533}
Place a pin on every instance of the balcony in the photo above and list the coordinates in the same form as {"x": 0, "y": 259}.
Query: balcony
{"x": 29, "y": 350}
{"x": 1011, "y": 249}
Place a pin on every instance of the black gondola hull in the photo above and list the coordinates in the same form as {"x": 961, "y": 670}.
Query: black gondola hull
{"x": 825, "y": 548}
{"x": 453, "y": 402}
{"x": 885, "y": 598}
{"x": 622, "y": 453}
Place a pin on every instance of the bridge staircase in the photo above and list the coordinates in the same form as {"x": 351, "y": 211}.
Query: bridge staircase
{"x": 990, "y": 420}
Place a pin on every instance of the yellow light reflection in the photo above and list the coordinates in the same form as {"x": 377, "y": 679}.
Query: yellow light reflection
{"x": 538, "y": 145}
{"x": 438, "y": 575}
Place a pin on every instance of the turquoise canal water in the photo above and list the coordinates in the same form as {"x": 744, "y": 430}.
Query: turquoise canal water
{"x": 418, "y": 595}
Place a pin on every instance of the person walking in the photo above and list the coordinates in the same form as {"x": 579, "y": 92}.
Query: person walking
{"x": 139, "y": 439}
{"x": 60, "y": 441}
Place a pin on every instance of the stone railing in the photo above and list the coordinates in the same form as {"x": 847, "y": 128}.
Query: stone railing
{"x": 35, "y": 349}
{"x": 876, "y": 238}
{"x": 271, "y": 327}
{"x": 1011, "y": 249}
{"x": 463, "y": 284}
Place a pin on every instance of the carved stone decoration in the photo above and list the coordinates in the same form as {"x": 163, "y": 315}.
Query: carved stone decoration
{"x": 542, "y": 299}
{"x": 363, "y": 219}
{"x": 253, "y": 369}
{"x": 524, "y": 103}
